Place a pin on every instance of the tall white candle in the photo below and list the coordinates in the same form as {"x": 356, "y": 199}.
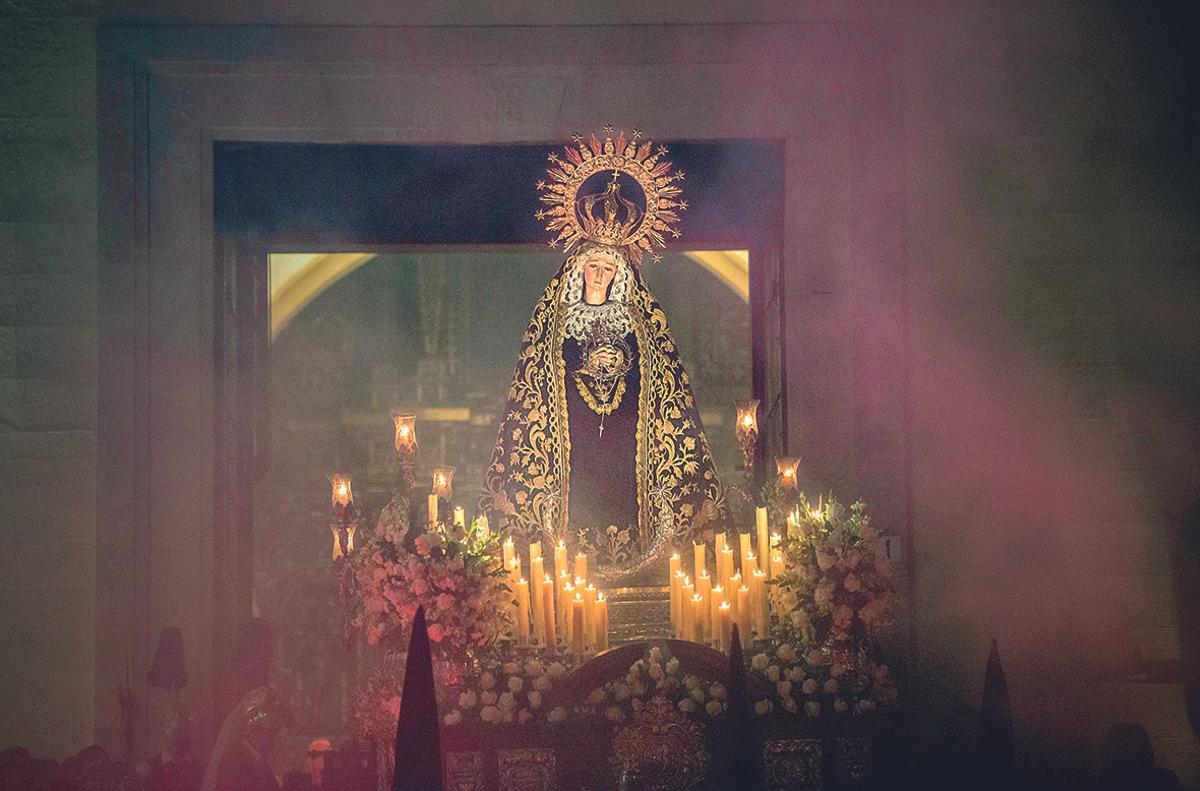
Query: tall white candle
{"x": 762, "y": 611}
{"x": 601, "y": 623}
{"x": 764, "y": 541}
{"x": 548, "y": 611}
{"x": 745, "y": 616}
{"x": 536, "y": 576}
{"x": 715, "y": 602}
{"x": 560, "y": 560}
{"x": 522, "y": 611}
{"x": 724, "y": 627}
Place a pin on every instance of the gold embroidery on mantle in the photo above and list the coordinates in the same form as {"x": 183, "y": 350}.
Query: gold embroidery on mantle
{"x": 609, "y": 405}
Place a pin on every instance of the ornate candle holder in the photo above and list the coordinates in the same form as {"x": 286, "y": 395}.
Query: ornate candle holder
{"x": 443, "y": 482}
{"x": 788, "y": 467}
{"x": 789, "y": 479}
{"x": 344, "y": 522}
{"x": 406, "y": 448}
{"x": 747, "y": 432}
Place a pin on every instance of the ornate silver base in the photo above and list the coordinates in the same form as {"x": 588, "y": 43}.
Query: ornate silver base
{"x": 639, "y": 613}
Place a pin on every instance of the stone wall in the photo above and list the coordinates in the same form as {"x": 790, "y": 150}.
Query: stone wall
{"x": 47, "y": 374}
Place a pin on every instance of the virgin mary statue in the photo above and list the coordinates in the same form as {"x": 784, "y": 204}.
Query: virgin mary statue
{"x": 600, "y": 444}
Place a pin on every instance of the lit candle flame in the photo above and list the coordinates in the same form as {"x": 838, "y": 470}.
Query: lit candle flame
{"x": 406, "y": 433}
{"x": 342, "y": 494}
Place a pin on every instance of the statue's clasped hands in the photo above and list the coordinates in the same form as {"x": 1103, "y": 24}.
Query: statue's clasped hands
{"x": 605, "y": 360}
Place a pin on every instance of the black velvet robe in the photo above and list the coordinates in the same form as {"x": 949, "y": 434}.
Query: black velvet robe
{"x": 603, "y": 466}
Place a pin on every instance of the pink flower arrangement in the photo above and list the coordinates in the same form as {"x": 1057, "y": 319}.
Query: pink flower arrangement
{"x": 454, "y": 574}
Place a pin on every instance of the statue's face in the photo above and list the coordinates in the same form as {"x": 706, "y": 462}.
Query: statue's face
{"x": 599, "y": 269}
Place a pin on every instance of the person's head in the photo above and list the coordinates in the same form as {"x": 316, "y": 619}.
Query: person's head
{"x": 314, "y": 759}
{"x": 600, "y": 265}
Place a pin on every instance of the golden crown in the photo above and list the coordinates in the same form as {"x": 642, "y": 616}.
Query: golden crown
{"x": 608, "y": 217}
